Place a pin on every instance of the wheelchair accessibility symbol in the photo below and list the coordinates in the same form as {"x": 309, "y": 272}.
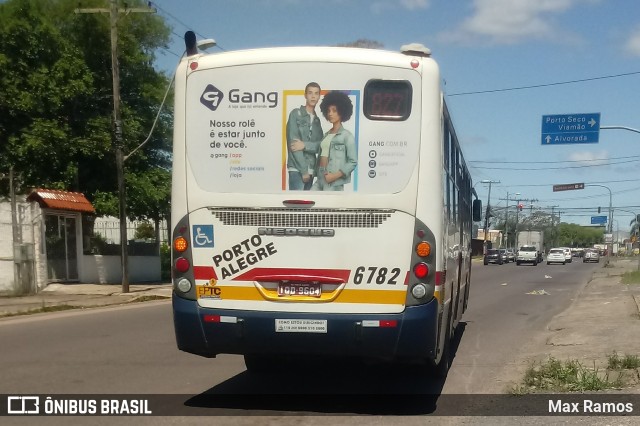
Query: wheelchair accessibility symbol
{"x": 202, "y": 236}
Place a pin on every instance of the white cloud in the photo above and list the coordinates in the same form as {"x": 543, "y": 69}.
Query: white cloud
{"x": 381, "y": 6}
{"x": 589, "y": 158}
{"x": 511, "y": 21}
{"x": 414, "y": 4}
{"x": 632, "y": 46}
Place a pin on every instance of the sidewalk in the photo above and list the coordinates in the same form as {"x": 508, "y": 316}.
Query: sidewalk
{"x": 604, "y": 317}
{"x": 82, "y": 296}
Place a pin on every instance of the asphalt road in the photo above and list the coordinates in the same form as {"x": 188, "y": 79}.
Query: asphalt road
{"x": 131, "y": 350}
{"x": 502, "y": 318}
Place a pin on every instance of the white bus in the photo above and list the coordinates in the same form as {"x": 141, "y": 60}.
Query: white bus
{"x": 368, "y": 257}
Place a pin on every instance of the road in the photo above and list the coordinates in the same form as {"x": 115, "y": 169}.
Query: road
{"x": 502, "y": 318}
{"x": 131, "y": 350}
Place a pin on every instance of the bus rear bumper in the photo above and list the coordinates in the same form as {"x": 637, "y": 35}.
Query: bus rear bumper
{"x": 207, "y": 332}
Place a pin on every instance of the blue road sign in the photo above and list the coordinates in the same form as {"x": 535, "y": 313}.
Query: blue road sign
{"x": 570, "y": 128}
{"x": 598, "y": 220}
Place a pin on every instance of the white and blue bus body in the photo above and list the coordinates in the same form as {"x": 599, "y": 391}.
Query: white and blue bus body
{"x": 379, "y": 269}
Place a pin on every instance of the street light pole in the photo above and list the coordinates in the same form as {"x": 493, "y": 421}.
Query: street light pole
{"x": 486, "y": 216}
{"x": 610, "y": 231}
{"x": 554, "y": 240}
{"x": 506, "y": 220}
{"x": 635, "y": 217}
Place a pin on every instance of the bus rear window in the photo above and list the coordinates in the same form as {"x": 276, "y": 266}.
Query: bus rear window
{"x": 387, "y": 100}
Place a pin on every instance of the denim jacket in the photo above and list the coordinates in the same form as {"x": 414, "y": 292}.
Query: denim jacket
{"x": 342, "y": 155}
{"x": 301, "y": 126}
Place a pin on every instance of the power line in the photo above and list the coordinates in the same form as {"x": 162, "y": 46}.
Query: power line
{"x": 556, "y": 168}
{"x": 188, "y": 27}
{"x": 175, "y": 19}
{"x": 550, "y": 184}
{"x": 555, "y": 162}
{"x": 537, "y": 86}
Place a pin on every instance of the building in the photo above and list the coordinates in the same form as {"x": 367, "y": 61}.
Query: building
{"x": 50, "y": 237}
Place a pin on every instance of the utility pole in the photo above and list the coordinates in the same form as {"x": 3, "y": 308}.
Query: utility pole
{"x": 486, "y": 216}
{"x": 610, "y": 227}
{"x": 506, "y": 218}
{"x": 118, "y": 142}
{"x": 553, "y": 226}
{"x": 518, "y": 201}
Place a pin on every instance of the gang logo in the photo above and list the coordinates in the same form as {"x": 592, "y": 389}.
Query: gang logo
{"x": 211, "y": 97}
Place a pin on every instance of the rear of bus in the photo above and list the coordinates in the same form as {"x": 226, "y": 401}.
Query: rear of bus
{"x": 265, "y": 271}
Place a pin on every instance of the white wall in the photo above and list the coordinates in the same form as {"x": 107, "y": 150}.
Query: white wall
{"x": 91, "y": 269}
{"x": 98, "y": 269}
{"x": 29, "y": 219}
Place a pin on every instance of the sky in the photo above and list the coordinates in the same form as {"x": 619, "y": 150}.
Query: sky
{"x": 504, "y": 63}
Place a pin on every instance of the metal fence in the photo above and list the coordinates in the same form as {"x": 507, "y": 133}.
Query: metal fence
{"x": 109, "y": 228}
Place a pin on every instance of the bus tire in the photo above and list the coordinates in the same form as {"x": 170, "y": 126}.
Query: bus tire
{"x": 467, "y": 290}
{"x": 441, "y": 369}
{"x": 258, "y": 363}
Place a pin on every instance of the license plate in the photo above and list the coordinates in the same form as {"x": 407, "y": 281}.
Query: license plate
{"x": 299, "y": 289}
{"x": 301, "y": 326}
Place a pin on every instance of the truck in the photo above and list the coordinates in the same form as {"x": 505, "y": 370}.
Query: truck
{"x": 525, "y": 240}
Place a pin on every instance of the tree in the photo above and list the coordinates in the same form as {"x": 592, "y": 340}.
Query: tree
{"x": 572, "y": 235}
{"x": 635, "y": 226}
{"x": 56, "y": 109}
{"x": 364, "y": 43}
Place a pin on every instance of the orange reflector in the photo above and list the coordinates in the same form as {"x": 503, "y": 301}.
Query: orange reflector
{"x": 423, "y": 249}
{"x": 182, "y": 264}
{"x": 421, "y": 270}
{"x": 180, "y": 244}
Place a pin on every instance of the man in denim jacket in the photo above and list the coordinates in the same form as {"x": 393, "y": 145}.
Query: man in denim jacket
{"x": 304, "y": 134}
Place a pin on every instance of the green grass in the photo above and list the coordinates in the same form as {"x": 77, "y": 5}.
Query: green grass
{"x": 554, "y": 375}
{"x": 56, "y": 308}
{"x": 628, "y": 362}
{"x": 631, "y": 277}
{"x": 149, "y": 298}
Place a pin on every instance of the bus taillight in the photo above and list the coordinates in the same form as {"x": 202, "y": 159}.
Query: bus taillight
{"x": 421, "y": 270}
{"x": 180, "y": 244}
{"x": 182, "y": 265}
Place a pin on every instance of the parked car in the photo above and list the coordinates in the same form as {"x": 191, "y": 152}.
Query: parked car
{"x": 505, "y": 255}
{"x": 591, "y": 256}
{"x": 511, "y": 254}
{"x": 556, "y": 255}
{"x": 493, "y": 256}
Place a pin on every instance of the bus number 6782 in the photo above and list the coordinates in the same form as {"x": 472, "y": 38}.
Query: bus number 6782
{"x": 375, "y": 274}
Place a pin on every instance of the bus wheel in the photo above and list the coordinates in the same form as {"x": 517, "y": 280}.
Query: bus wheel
{"x": 441, "y": 369}
{"x": 258, "y": 363}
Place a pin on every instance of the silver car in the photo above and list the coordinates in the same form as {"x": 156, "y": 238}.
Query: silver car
{"x": 505, "y": 255}
{"x": 556, "y": 255}
{"x": 591, "y": 256}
